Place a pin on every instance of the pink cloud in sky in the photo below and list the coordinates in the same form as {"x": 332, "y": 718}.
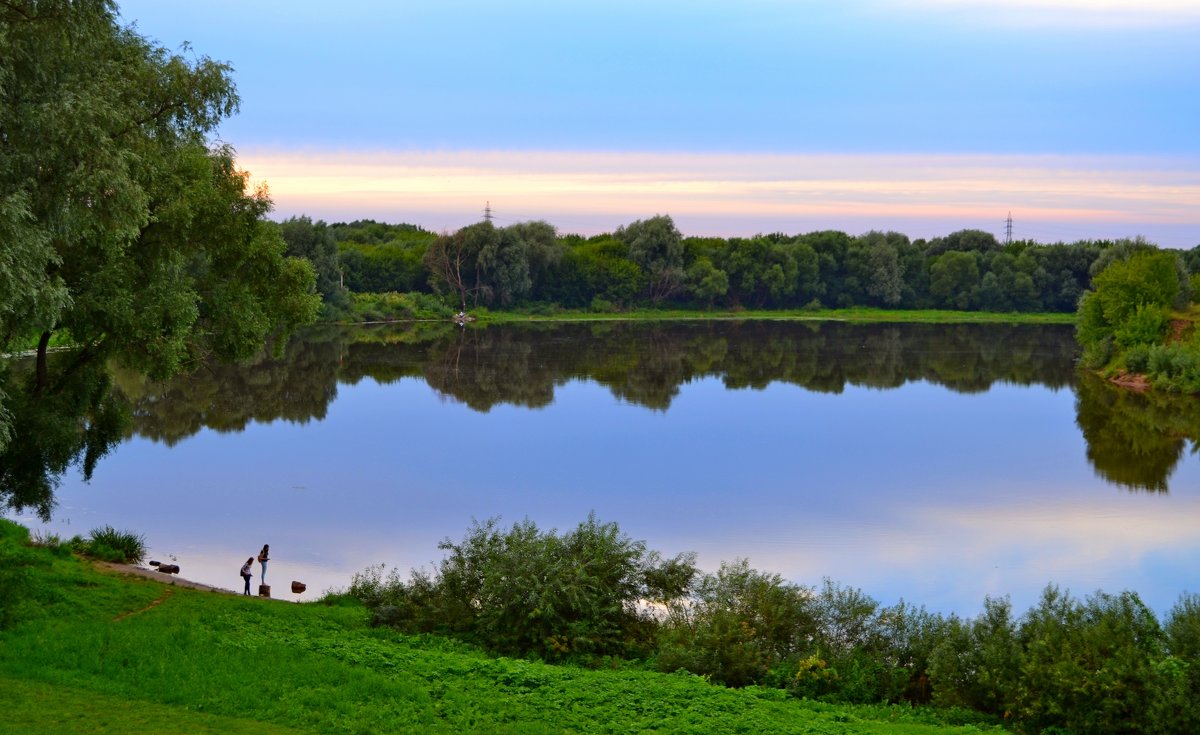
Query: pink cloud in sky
{"x": 1051, "y": 197}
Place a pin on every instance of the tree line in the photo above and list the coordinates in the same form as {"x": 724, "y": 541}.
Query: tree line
{"x": 650, "y": 263}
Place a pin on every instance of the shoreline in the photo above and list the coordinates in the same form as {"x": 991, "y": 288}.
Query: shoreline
{"x": 170, "y": 580}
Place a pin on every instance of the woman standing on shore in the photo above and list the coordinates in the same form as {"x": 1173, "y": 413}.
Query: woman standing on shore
{"x": 263, "y": 558}
{"x": 246, "y": 574}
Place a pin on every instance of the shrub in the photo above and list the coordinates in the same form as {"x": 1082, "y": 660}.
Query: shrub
{"x": 601, "y": 306}
{"x": 738, "y": 625}
{"x": 977, "y": 662}
{"x": 1145, "y": 326}
{"x": 1175, "y": 367}
{"x": 1177, "y": 689}
{"x": 109, "y": 544}
{"x": 389, "y": 306}
{"x": 1087, "y": 667}
{"x": 523, "y": 591}
{"x": 1137, "y": 359}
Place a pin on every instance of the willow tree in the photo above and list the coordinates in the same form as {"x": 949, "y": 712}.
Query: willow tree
{"x": 123, "y": 228}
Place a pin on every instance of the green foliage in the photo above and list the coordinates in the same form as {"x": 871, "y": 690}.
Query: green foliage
{"x": 383, "y": 307}
{"x": 1125, "y": 321}
{"x": 977, "y": 662}
{"x": 1087, "y": 667}
{"x": 203, "y": 662}
{"x": 1145, "y": 326}
{"x": 954, "y": 280}
{"x": 122, "y": 226}
{"x": 648, "y": 262}
{"x": 315, "y": 243}
{"x": 524, "y": 591}
{"x": 167, "y": 654}
{"x": 1175, "y": 367}
{"x": 492, "y": 265}
{"x": 109, "y": 544}
{"x": 656, "y": 247}
{"x": 736, "y": 626}
{"x": 1178, "y": 675}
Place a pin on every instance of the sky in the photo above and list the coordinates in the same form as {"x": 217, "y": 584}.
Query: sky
{"x": 1079, "y": 117}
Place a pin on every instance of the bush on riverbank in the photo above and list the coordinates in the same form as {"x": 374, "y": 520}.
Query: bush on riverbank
{"x": 1133, "y": 321}
{"x": 1101, "y": 664}
{"x": 392, "y": 306}
{"x": 523, "y": 591}
{"x": 124, "y": 654}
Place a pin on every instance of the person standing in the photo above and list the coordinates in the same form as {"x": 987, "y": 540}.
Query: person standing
{"x": 263, "y": 558}
{"x": 246, "y": 574}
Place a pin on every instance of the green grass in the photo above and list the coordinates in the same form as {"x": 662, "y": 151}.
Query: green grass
{"x": 857, "y": 314}
{"x": 101, "y": 653}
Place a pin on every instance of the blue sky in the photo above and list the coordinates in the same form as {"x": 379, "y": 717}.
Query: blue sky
{"x": 1106, "y": 91}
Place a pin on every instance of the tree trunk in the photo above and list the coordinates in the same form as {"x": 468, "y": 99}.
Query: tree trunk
{"x": 43, "y": 373}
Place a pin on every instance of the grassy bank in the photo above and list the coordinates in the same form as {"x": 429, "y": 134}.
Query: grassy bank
{"x": 93, "y": 652}
{"x": 409, "y": 307}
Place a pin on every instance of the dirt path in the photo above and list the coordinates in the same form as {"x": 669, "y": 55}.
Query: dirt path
{"x": 167, "y": 579}
{"x": 161, "y": 599}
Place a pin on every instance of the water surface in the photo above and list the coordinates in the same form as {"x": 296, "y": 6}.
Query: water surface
{"x": 935, "y": 463}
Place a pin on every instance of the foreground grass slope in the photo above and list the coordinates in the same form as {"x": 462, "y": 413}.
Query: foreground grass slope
{"x": 93, "y": 652}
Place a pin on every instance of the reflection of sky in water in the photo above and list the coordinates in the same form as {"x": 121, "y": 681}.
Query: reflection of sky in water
{"x": 918, "y": 492}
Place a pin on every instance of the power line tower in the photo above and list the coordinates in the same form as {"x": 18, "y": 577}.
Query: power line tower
{"x": 487, "y": 212}
{"x": 1008, "y": 230}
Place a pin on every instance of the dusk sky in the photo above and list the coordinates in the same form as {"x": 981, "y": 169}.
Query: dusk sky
{"x": 923, "y": 116}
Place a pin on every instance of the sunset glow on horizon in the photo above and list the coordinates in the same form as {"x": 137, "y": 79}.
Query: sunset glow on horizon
{"x": 924, "y": 117}
{"x": 1052, "y": 197}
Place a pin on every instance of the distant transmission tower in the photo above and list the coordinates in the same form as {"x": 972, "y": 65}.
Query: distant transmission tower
{"x": 487, "y": 211}
{"x": 1008, "y": 230}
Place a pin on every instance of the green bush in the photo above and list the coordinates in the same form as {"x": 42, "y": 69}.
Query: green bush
{"x": 1137, "y": 359}
{"x": 1175, "y": 367}
{"x": 601, "y": 306}
{"x": 1129, "y": 305}
{"x": 737, "y": 626}
{"x": 109, "y": 544}
{"x": 977, "y": 662}
{"x": 1087, "y": 667}
{"x": 392, "y": 306}
{"x": 1147, "y": 325}
{"x": 527, "y": 592}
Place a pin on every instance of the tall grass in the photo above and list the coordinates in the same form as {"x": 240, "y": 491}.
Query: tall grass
{"x": 108, "y": 544}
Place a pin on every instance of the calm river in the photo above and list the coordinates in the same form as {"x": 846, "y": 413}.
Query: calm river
{"x": 931, "y": 463}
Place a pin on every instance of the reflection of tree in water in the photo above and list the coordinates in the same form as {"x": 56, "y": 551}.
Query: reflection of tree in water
{"x": 297, "y": 386}
{"x": 75, "y": 423}
{"x": 642, "y": 364}
{"x": 1135, "y": 440}
{"x": 483, "y": 368}
{"x": 646, "y": 364}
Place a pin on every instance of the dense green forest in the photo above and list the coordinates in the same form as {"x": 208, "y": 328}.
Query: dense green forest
{"x": 650, "y": 263}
